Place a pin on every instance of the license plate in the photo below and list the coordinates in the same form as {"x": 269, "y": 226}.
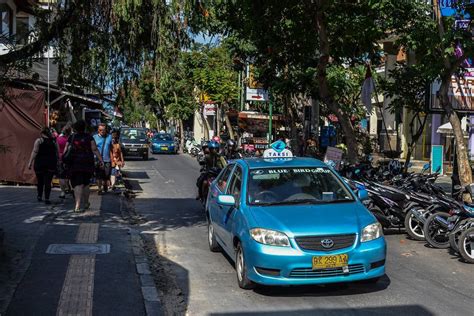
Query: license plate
{"x": 133, "y": 149}
{"x": 336, "y": 261}
{"x": 164, "y": 148}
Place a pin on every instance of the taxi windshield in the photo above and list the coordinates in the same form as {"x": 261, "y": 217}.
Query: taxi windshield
{"x": 279, "y": 186}
{"x": 163, "y": 137}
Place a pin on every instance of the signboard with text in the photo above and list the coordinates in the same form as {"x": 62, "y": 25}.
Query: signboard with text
{"x": 256, "y": 94}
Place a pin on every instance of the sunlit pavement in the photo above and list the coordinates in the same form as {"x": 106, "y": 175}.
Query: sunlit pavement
{"x": 59, "y": 262}
{"x": 419, "y": 280}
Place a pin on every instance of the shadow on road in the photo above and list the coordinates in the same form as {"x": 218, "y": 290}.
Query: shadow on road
{"x": 385, "y": 310}
{"x": 170, "y": 214}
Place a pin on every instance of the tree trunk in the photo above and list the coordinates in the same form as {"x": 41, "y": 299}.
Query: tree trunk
{"x": 206, "y": 126}
{"x": 414, "y": 139}
{"x": 464, "y": 169}
{"x": 465, "y": 173}
{"x": 324, "y": 94}
{"x": 229, "y": 127}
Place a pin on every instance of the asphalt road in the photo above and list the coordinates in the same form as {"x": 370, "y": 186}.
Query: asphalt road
{"x": 419, "y": 280}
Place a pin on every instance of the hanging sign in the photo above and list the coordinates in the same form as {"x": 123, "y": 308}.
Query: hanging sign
{"x": 277, "y": 150}
{"x": 210, "y": 109}
{"x": 333, "y": 155}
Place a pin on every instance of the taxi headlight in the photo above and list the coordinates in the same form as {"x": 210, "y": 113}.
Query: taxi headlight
{"x": 269, "y": 237}
{"x": 371, "y": 232}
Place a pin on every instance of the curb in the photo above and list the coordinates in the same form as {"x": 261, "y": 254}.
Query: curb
{"x": 150, "y": 295}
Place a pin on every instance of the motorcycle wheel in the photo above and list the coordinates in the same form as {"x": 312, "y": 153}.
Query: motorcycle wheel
{"x": 436, "y": 235}
{"x": 414, "y": 227}
{"x": 454, "y": 241}
{"x": 466, "y": 245}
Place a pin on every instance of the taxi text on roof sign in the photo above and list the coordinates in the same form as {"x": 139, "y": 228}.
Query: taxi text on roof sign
{"x": 277, "y": 150}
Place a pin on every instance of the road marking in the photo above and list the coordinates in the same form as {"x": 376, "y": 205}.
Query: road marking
{"x": 78, "y": 288}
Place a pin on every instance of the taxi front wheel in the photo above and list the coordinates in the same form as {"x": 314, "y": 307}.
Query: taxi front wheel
{"x": 241, "y": 270}
{"x": 213, "y": 245}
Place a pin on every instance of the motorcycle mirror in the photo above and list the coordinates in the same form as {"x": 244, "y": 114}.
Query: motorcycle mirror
{"x": 457, "y": 187}
{"x": 357, "y": 171}
{"x": 426, "y": 166}
{"x": 410, "y": 165}
{"x": 386, "y": 173}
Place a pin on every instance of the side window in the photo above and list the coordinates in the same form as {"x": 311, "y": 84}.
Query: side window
{"x": 235, "y": 186}
{"x": 224, "y": 177}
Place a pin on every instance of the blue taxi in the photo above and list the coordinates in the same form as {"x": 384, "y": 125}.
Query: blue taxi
{"x": 292, "y": 221}
{"x": 163, "y": 143}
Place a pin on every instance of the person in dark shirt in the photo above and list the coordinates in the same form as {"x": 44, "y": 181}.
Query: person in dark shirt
{"x": 82, "y": 166}
{"x": 44, "y": 159}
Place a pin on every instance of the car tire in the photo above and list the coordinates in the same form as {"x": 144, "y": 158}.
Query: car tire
{"x": 241, "y": 269}
{"x": 414, "y": 227}
{"x": 211, "y": 238}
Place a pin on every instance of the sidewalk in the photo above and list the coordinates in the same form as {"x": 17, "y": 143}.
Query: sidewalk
{"x": 59, "y": 262}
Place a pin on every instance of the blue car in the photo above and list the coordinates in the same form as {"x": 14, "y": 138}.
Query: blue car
{"x": 292, "y": 221}
{"x": 163, "y": 143}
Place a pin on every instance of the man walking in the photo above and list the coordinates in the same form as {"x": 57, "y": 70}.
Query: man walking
{"x": 104, "y": 143}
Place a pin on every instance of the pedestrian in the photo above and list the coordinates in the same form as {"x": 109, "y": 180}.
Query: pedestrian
{"x": 83, "y": 148}
{"x": 62, "y": 169}
{"x": 102, "y": 171}
{"x": 44, "y": 159}
{"x": 117, "y": 158}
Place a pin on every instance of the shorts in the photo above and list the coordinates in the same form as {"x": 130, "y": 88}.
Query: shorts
{"x": 104, "y": 172}
{"x": 82, "y": 178}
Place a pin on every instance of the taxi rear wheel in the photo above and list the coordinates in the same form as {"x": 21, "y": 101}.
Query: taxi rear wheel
{"x": 241, "y": 269}
{"x": 213, "y": 245}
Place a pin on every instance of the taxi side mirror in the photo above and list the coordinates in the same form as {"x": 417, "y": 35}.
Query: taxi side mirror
{"x": 226, "y": 200}
{"x": 363, "y": 194}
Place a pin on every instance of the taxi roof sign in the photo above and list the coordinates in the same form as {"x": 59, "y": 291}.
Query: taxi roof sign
{"x": 277, "y": 150}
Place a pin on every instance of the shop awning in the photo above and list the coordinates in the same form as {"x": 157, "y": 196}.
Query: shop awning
{"x": 448, "y": 129}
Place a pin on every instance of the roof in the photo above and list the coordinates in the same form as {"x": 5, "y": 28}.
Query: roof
{"x": 253, "y": 163}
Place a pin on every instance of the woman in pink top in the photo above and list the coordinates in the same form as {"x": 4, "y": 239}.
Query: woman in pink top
{"x": 63, "y": 176}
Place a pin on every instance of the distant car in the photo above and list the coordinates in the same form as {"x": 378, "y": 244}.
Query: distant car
{"x": 134, "y": 142}
{"x": 163, "y": 143}
{"x": 292, "y": 221}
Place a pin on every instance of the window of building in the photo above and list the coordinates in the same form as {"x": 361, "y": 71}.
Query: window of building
{"x": 22, "y": 30}
{"x": 6, "y": 27}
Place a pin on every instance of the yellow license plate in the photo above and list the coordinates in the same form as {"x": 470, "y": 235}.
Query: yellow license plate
{"x": 164, "y": 148}
{"x": 336, "y": 261}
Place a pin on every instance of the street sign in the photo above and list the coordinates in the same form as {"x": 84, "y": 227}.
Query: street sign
{"x": 460, "y": 94}
{"x": 256, "y": 94}
{"x": 335, "y": 155}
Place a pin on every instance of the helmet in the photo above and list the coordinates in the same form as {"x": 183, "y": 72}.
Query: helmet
{"x": 217, "y": 139}
{"x": 213, "y": 145}
{"x": 230, "y": 143}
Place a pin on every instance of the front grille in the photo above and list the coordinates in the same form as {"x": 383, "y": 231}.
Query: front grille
{"x": 324, "y": 273}
{"x": 314, "y": 242}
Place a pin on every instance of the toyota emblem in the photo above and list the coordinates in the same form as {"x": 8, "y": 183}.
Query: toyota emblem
{"x": 327, "y": 243}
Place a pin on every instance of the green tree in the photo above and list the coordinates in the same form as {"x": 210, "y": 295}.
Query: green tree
{"x": 294, "y": 37}
{"x": 437, "y": 44}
